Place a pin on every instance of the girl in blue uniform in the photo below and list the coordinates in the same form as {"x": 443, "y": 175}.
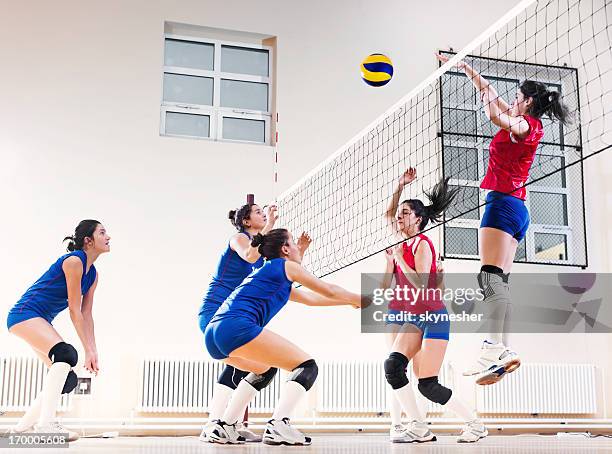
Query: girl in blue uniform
{"x": 69, "y": 283}
{"x": 236, "y": 263}
{"x": 237, "y": 334}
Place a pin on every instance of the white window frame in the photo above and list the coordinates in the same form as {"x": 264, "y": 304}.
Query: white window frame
{"x": 216, "y": 112}
{"x": 482, "y": 147}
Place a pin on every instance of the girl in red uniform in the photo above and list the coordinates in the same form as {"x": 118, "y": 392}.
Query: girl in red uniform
{"x": 506, "y": 218}
{"x": 414, "y": 330}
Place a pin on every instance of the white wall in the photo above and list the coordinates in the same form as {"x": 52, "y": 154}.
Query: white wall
{"x": 81, "y": 89}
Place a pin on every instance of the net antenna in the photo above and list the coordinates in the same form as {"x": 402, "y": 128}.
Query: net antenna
{"x": 439, "y": 124}
{"x": 250, "y": 199}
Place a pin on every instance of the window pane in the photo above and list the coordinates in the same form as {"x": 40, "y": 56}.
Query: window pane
{"x": 189, "y": 54}
{"x": 466, "y": 200}
{"x": 188, "y": 89}
{"x": 244, "y": 95}
{"x": 244, "y": 129}
{"x": 458, "y": 240}
{"x": 550, "y": 246}
{"x": 459, "y": 120}
{"x": 182, "y": 124}
{"x": 461, "y": 163}
{"x": 244, "y": 61}
{"x": 548, "y": 165}
{"x": 458, "y": 90}
{"x": 521, "y": 252}
{"x": 548, "y": 208}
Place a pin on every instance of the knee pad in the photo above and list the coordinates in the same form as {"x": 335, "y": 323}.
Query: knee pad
{"x": 494, "y": 284}
{"x": 260, "y": 381}
{"x": 64, "y": 353}
{"x": 230, "y": 376}
{"x": 395, "y": 370}
{"x": 434, "y": 391}
{"x": 305, "y": 374}
{"x": 71, "y": 382}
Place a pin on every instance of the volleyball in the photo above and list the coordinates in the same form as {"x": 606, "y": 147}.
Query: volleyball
{"x": 376, "y": 70}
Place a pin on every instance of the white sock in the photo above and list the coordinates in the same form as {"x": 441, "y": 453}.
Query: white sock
{"x": 241, "y": 397}
{"x": 291, "y": 395}
{"x": 406, "y": 398}
{"x": 52, "y": 391}
{"x": 395, "y": 409}
{"x": 220, "y": 398}
{"x": 31, "y": 415}
{"x": 460, "y": 408}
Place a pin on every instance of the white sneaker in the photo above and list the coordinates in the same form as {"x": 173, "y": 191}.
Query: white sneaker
{"x": 206, "y": 430}
{"x": 280, "y": 432}
{"x": 248, "y": 435}
{"x": 223, "y": 433}
{"x": 494, "y": 362}
{"x": 397, "y": 433}
{"x": 57, "y": 428}
{"x": 472, "y": 432}
{"x": 419, "y": 432}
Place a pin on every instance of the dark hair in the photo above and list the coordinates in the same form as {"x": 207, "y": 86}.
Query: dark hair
{"x": 85, "y": 229}
{"x": 270, "y": 244}
{"x": 237, "y": 217}
{"x": 440, "y": 197}
{"x": 545, "y": 101}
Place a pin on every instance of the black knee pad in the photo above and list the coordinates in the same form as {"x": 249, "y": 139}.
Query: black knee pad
{"x": 71, "y": 382}
{"x": 230, "y": 376}
{"x": 305, "y": 374}
{"x": 434, "y": 391}
{"x": 395, "y": 370}
{"x": 260, "y": 381}
{"x": 64, "y": 353}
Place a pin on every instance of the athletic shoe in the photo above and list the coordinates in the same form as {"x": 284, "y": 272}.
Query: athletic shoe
{"x": 223, "y": 433}
{"x": 495, "y": 361}
{"x": 248, "y": 435}
{"x": 397, "y": 433}
{"x": 280, "y": 432}
{"x": 472, "y": 432}
{"x": 56, "y": 428}
{"x": 206, "y": 430}
{"x": 420, "y": 433}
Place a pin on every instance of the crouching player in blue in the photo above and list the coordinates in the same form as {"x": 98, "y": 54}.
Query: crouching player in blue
{"x": 69, "y": 283}
{"x": 237, "y": 334}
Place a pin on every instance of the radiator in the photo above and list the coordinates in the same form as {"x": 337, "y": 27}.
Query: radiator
{"x": 186, "y": 386}
{"x": 361, "y": 387}
{"x": 542, "y": 389}
{"x": 21, "y": 379}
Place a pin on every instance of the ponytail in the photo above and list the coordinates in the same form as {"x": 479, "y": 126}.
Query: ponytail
{"x": 440, "y": 197}
{"x": 270, "y": 245}
{"x": 545, "y": 101}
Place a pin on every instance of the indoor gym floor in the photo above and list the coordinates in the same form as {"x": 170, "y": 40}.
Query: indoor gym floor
{"x": 345, "y": 443}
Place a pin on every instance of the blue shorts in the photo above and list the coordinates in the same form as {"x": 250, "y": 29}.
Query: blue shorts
{"x": 224, "y": 336}
{"x": 431, "y": 329}
{"x": 18, "y": 315}
{"x": 507, "y": 213}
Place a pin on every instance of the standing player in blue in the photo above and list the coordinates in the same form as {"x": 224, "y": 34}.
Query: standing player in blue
{"x": 237, "y": 334}
{"x": 238, "y": 260}
{"x": 69, "y": 283}
{"x": 506, "y": 219}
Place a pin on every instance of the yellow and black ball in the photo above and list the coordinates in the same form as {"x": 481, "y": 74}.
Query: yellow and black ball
{"x": 376, "y": 70}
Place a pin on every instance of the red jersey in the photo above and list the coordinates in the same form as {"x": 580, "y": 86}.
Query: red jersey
{"x": 510, "y": 159}
{"x": 426, "y": 301}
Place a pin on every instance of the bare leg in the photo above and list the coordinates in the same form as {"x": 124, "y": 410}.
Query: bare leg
{"x": 41, "y": 336}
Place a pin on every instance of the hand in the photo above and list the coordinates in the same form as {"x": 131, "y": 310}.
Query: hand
{"x": 271, "y": 214}
{"x": 303, "y": 242}
{"x": 408, "y": 177}
{"x": 91, "y": 362}
{"x": 398, "y": 250}
{"x": 439, "y": 272}
{"x": 389, "y": 255}
{"x": 444, "y": 59}
{"x": 356, "y": 301}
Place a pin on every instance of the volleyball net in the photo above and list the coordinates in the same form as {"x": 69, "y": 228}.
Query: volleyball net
{"x": 441, "y": 129}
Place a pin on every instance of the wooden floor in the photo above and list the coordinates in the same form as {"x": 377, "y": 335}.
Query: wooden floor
{"x": 343, "y": 444}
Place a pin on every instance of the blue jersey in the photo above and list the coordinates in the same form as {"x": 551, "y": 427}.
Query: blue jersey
{"x": 231, "y": 271}
{"x": 260, "y": 296}
{"x": 48, "y": 296}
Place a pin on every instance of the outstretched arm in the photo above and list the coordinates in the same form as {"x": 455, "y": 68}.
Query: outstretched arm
{"x": 314, "y": 299}
{"x": 295, "y": 272}
{"x": 407, "y": 178}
